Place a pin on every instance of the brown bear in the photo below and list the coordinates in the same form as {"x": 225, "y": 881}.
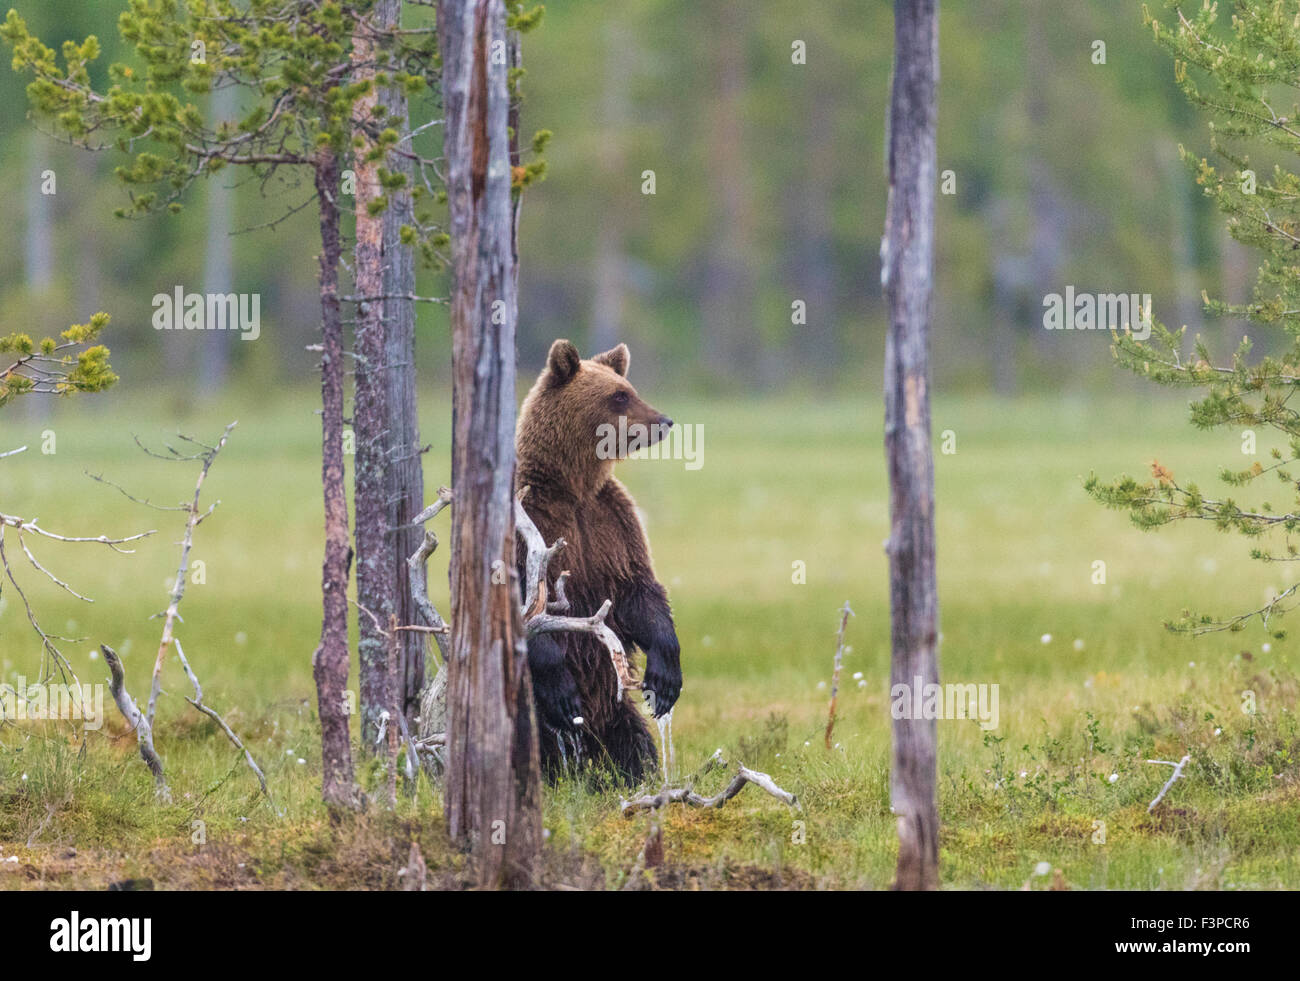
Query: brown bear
{"x": 566, "y": 460}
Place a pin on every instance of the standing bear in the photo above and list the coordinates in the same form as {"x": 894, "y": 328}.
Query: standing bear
{"x": 567, "y": 443}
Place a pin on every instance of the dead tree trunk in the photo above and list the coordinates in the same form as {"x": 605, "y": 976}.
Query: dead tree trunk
{"x": 330, "y": 662}
{"x": 907, "y": 268}
{"x": 492, "y": 790}
{"x": 404, "y": 475}
{"x": 375, "y": 579}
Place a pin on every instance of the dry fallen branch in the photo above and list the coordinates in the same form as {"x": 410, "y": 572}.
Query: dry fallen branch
{"x": 1178, "y": 772}
{"x": 687, "y": 795}
{"x": 135, "y": 719}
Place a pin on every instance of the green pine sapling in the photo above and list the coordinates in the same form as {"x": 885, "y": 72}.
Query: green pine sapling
{"x": 1238, "y": 74}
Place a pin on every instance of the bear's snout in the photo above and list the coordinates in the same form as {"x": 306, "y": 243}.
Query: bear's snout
{"x": 665, "y": 422}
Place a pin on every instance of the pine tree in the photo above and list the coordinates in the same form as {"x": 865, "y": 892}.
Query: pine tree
{"x": 1238, "y": 74}
{"x": 301, "y": 91}
{"x": 50, "y": 365}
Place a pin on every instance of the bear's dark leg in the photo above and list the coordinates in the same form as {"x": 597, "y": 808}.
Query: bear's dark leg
{"x": 554, "y": 690}
{"x": 645, "y": 619}
{"x": 629, "y": 748}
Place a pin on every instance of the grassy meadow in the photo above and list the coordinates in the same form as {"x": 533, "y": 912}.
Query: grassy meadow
{"x": 1090, "y": 683}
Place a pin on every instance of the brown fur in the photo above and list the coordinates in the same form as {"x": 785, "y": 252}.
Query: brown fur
{"x": 572, "y": 493}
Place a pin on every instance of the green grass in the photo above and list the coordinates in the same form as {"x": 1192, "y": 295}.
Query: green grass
{"x": 782, "y": 482}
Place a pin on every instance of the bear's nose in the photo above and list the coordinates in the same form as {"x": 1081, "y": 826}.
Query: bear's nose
{"x": 665, "y": 422}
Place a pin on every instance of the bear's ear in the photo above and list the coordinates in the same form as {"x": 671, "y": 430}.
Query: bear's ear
{"x": 562, "y": 363}
{"x": 616, "y": 358}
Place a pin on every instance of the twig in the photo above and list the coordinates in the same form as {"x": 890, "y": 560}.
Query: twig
{"x": 536, "y": 621}
{"x": 546, "y": 623}
{"x": 1178, "y": 772}
{"x": 135, "y": 718}
{"x": 207, "y": 454}
{"x": 538, "y": 561}
{"x": 687, "y": 794}
{"x": 197, "y": 702}
{"x": 419, "y": 581}
{"x": 835, "y": 675}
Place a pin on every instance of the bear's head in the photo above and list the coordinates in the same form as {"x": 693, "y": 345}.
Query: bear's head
{"x": 581, "y": 416}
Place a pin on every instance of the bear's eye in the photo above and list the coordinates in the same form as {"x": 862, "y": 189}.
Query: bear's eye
{"x": 619, "y": 400}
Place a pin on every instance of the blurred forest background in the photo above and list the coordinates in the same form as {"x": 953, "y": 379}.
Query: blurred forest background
{"x": 769, "y": 189}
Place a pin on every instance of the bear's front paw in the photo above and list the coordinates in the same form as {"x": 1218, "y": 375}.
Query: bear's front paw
{"x": 557, "y": 698}
{"x": 664, "y": 683}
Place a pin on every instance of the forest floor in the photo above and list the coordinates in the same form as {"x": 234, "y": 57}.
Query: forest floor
{"x": 1090, "y": 684}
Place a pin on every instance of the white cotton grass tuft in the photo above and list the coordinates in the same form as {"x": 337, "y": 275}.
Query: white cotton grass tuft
{"x": 1078, "y": 643}
{"x": 1113, "y": 777}
{"x": 1046, "y": 638}
{"x": 1043, "y": 868}
{"x": 1265, "y": 647}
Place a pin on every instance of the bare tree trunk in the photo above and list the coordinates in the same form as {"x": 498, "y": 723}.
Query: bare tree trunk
{"x": 375, "y": 579}
{"x": 492, "y": 790}
{"x": 404, "y": 475}
{"x": 330, "y": 662}
{"x": 907, "y": 256}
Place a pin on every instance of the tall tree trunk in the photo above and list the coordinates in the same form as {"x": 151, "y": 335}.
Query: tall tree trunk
{"x": 492, "y": 790}
{"x": 218, "y": 259}
{"x": 405, "y": 474}
{"x": 907, "y": 256}
{"x": 330, "y": 662}
{"x": 375, "y": 580}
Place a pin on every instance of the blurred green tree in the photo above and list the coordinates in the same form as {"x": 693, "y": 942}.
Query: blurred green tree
{"x": 1237, "y": 75}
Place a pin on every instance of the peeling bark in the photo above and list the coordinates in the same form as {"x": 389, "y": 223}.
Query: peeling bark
{"x": 330, "y": 662}
{"x": 492, "y": 791}
{"x": 370, "y": 418}
{"x": 907, "y": 273}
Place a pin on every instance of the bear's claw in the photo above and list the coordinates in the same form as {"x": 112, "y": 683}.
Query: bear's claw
{"x": 665, "y": 686}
